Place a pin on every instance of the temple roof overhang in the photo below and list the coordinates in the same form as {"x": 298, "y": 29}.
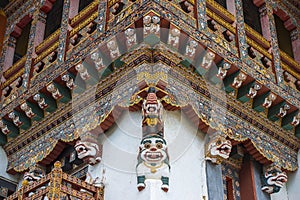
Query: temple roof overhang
{"x": 216, "y": 96}
{"x": 179, "y": 87}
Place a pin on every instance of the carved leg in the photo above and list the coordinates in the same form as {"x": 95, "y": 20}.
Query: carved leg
{"x": 165, "y": 185}
{"x": 141, "y": 182}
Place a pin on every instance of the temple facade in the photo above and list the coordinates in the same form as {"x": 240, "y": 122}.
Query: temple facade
{"x": 150, "y": 99}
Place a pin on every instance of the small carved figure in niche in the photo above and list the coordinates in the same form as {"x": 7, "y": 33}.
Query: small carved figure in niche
{"x": 217, "y": 149}
{"x": 152, "y": 114}
{"x": 113, "y": 48}
{"x": 269, "y": 100}
{"x": 191, "y": 48}
{"x": 151, "y": 24}
{"x": 4, "y": 128}
{"x": 273, "y": 179}
{"x": 69, "y": 81}
{"x": 130, "y": 36}
{"x": 15, "y": 118}
{"x": 91, "y": 27}
{"x": 253, "y": 90}
{"x": 222, "y": 72}
{"x": 208, "y": 59}
{"x": 54, "y": 91}
{"x": 174, "y": 37}
{"x": 82, "y": 71}
{"x": 186, "y": 6}
{"x": 239, "y": 79}
{"x": 41, "y": 101}
{"x": 117, "y": 8}
{"x": 153, "y": 162}
{"x": 75, "y": 39}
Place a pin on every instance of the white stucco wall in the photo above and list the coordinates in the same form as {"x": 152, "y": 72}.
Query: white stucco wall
{"x": 3, "y": 166}
{"x": 293, "y": 184}
{"x": 281, "y": 195}
{"x": 186, "y": 150}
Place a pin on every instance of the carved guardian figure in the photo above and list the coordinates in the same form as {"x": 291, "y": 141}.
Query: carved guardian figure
{"x": 273, "y": 179}
{"x": 153, "y": 162}
{"x": 34, "y": 175}
{"x": 217, "y": 149}
{"x": 89, "y": 150}
{"x": 152, "y": 114}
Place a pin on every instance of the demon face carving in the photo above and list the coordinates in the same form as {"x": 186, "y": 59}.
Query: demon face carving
{"x": 89, "y": 150}
{"x": 273, "y": 179}
{"x": 153, "y": 162}
{"x": 152, "y": 114}
{"x": 34, "y": 174}
{"x": 217, "y": 149}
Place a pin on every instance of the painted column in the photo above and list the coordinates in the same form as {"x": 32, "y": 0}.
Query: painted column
{"x": 296, "y": 44}
{"x": 102, "y": 18}
{"x": 240, "y": 26}
{"x": 74, "y": 5}
{"x": 294, "y": 182}
{"x": 247, "y": 180}
{"x": 214, "y": 181}
{"x": 9, "y": 53}
{"x": 31, "y": 49}
{"x": 257, "y": 169}
{"x": 264, "y": 21}
{"x": 2, "y": 29}
{"x": 274, "y": 45}
{"x": 40, "y": 29}
{"x": 62, "y": 46}
{"x": 201, "y": 14}
{"x": 231, "y": 6}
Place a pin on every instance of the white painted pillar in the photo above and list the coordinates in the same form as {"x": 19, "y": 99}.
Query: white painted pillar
{"x": 293, "y": 183}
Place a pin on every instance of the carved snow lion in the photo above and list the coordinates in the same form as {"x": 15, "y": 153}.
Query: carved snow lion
{"x": 217, "y": 149}
{"x": 273, "y": 179}
{"x": 89, "y": 150}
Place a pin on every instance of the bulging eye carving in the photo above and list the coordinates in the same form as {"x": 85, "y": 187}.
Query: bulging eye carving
{"x": 147, "y": 145}
{"x": 159, "y": 145}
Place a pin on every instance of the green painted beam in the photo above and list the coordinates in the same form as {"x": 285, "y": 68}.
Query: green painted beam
{"x": 274, "y": 110}
{"x": 26, "y": 122}
{"x": 94, "y": 78}
{"x": 64, "y": 91}
{"x": 39, "y": 113}
{"x": 286, "y": 120}
{"x": 186, "y": 63}
{"x": 243, "y": 91}
{"x": 52, "y": 105}
{"x": 297, "y": 131}
{"x": 212, "y": 73}
{"x": 258, "y": 102}
{"x": 14, "y": 131}
{"x": 229, "y": 80}
{"x": 152, "y": 39}
{"x": 3, "y": 139}
{"x": 80, "y": 85}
